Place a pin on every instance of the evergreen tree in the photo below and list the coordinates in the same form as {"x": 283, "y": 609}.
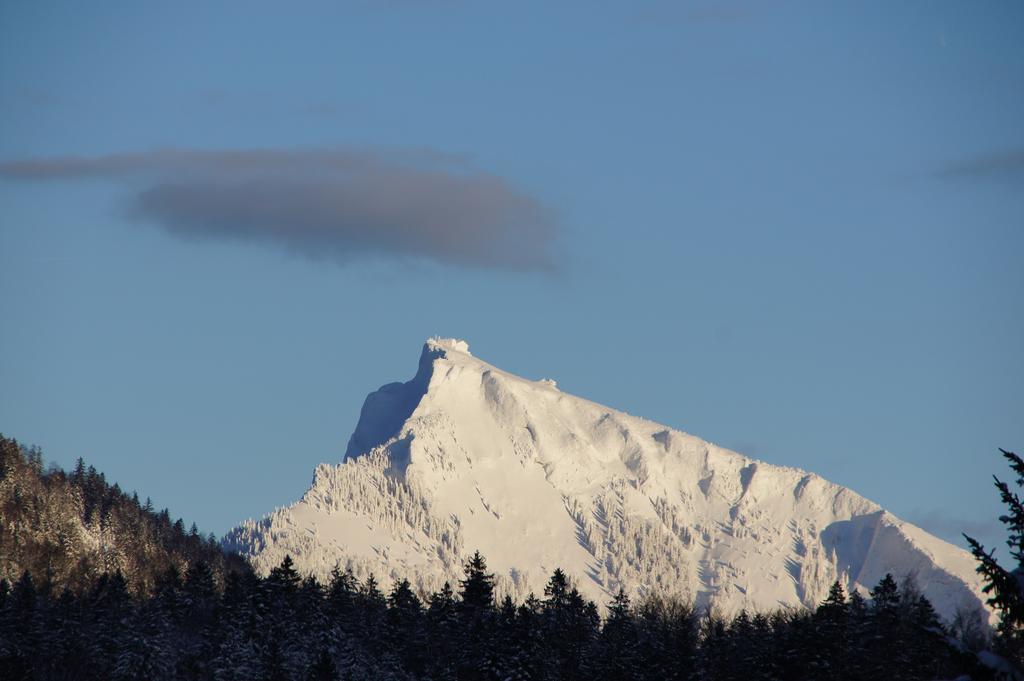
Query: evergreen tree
{"x": 582, "y": 624}
{"x": 476, "y": 610}
{"x": 477, "y": 586}
{"x": 199, "y": 601}
{"x": 443, "y": 630}
{"x": 560, "y": 655}
{"x": 617, "y": 655}
{"x": 668, "y": 638}
{"x": 374, "y": 606}
{"x": 312, "y": 615}
{"x": 743, "y": 662}
{"x": 110, "y": 614}
{"x": 1002, "y": 585}
{"x": 886, "y": 631}
{"x": 930, "y": 649}
{"x": 531, "y": 642}
{"x": 832, "y": 620}
{"x": 147, "y": 650}
{"x": 63, "y": 638}
{"x": 766, "y": 651}
{"x": 284, "y": 577}
{"x": 556, "y": 591}
{"x": 857, "y": 622}
{"x": 79, "y": 473}
{"x": 342, "y": 590}
{"x": 405, "y": 626}
{"x": 885, "y": 598}
{"x": 237, "y": 656}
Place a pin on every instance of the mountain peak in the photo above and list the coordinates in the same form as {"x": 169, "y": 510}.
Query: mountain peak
{"x": 465, "y": 456}
{"x": 387, "y": 409}
{"x": 436, "y": 343}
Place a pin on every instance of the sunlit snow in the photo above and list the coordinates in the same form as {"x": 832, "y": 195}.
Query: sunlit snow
{"x": 468, "y": 457}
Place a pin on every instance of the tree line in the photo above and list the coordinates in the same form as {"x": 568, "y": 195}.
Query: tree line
{"x": 289, "y": 627}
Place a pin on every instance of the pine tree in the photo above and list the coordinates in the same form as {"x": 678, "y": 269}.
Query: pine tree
{"x": 476, "y": 611}
{"x": 1004, "y": 587}
{"x": 885, "y": 598}
{"x": 199, "y": 594}
{"x": 559, "y": 652}
{"x": 533, "y": 637}
{"x": 582, "y": 626}
{"x": 797, "y": 656}
{"x": 79, "y": 473}
{"x": 313, "y": 616}
{"x": 63, "y": 638}
{"x": 342, "y": 590}
{"x": 834, "y": 606}
{"x": 556, "y": 591}
{"x": 237, "y": 656}
{"x": 668, "y": 638}
{"x": 147, "y": 651}
{"x": 744, "y": 647}
{"x": 766, "y": 652}
{"x": 617, "y": 658}
{"x": 832, "y": 619}
{"x": 371, "y": 633}
{"x": 110, "y": 610}
{"x": 443, "y": 630}
{"x": 442, "y": 604}
{"x": 507, "y": 611}
{"x": 929, "y": 652}
{"x": 477, "y": 586}
{"x": 405, "y": 625}
{"x": 887, "y": 634}
{"x": 285, "y": 576}
{"x": 371, "y": 595}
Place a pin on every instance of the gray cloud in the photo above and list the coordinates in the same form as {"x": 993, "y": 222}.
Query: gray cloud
{"x": 338, "y": 205}
{"x": 1003, "y": 165}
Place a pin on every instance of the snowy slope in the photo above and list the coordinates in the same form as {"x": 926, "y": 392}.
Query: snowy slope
{"x": 466, "y": 456}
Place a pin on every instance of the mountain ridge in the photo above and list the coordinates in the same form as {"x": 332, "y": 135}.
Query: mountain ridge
{"x": 466, "y": 456}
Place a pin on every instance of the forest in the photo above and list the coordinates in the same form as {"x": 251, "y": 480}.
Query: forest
{"x": 153, "y": 601}
{"x": 67, "y": 529}
{"x": 289, "y": 627}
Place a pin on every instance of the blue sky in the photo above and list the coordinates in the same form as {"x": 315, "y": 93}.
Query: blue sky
{"x": 794, "y": 229}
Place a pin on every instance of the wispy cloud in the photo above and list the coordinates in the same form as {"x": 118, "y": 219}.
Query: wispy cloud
{"x": 338, "y": 204}
{"x": 1003, "y": 165}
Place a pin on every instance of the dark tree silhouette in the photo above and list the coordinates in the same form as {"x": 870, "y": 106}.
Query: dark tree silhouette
{"x": 166, "y": 604}
{"x": 1003, "y": 585}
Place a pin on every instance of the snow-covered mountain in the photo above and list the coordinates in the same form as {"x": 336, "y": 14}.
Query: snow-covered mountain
{"x": 468, "y": 457}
